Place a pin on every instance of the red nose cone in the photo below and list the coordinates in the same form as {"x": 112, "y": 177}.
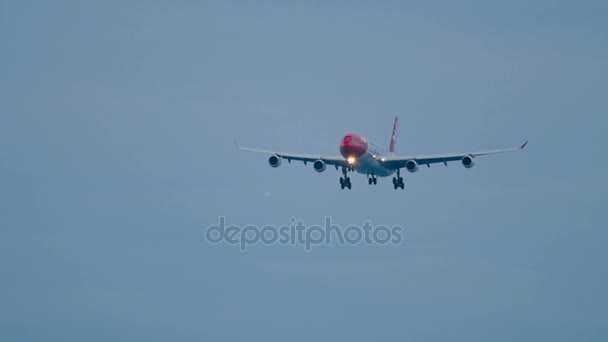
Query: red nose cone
{"x": 353, "y": 145}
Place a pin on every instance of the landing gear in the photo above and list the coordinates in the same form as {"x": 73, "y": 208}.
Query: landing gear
{"x": 372, "y": 179}
{"x": 345, "y": 181}
{"x": 398, "y": 181}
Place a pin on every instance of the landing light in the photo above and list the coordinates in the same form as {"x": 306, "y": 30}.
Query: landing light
{"x": 383, "y": 159}
{"x": 351, "y": 160}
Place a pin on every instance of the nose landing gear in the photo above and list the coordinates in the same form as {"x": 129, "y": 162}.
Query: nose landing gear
{"x": 345, "y": 181}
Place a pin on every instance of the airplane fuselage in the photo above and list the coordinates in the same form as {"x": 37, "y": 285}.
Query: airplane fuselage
{"x": 363, "y": 155}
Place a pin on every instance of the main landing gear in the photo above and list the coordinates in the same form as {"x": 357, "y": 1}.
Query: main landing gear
{"x": 372, "y": 179}
{"x": 398, "y": 181}
{"x": 345, "y": 180}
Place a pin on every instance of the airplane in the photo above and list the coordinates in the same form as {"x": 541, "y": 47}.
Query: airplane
{"x": 365, "y": 157}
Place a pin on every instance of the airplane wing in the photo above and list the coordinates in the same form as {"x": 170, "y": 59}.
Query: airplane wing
{"x": 398, "y": 162}
{"x": 329, "y": 160}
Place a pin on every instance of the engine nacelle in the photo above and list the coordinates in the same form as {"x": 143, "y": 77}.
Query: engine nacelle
{"x": 411, "y": 166}
{"x": 319, "y": 165}
{"x": 468, "y": 162}
{"x": 274, "y": 161}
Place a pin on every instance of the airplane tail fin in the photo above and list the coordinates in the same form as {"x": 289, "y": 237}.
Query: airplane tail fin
{"x": 391, "y": 145}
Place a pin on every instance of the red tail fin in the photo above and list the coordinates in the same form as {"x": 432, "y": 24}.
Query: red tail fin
{"x": 391, "y": 145}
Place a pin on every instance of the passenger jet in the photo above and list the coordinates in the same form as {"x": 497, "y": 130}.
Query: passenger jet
{"x": 363, "y": 156}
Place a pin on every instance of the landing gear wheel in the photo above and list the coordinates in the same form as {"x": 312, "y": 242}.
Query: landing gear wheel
{"x": 398, "y": 183}
{"x": 372, "y": 179}
{"x": 345, "y": 182}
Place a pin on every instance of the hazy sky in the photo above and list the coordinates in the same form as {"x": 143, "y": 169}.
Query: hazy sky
{"x": 117, "y": 122}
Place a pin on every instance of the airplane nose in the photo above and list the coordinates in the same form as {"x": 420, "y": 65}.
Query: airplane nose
{"x": 352, "y": 149}
{"x": 353, "y": 145}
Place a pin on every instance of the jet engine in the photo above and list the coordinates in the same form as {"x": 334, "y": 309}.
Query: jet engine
{"x": 411, "y": 166}
{"x": 319, "y": 165}
{"x": 274, "y": 161}
{"x": 468, "y": 162}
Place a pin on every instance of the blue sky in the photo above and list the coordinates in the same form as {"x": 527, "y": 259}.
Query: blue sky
{"x": 117, "y": 122}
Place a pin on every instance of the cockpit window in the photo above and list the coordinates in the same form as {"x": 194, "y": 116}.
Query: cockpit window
{"x": 348, "y": 138}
